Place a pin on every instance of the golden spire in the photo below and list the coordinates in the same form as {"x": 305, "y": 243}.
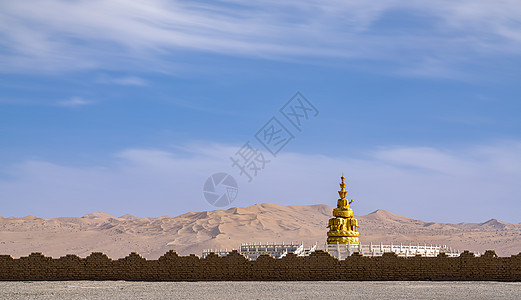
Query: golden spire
{"x": 343, "y": 228}
{"x": 342, "y": 193}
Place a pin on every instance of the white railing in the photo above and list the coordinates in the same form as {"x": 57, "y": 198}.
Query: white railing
{"x": 254, "y": 250}
{"x": 341, "y": 251}
{"x": 219, "y": 252}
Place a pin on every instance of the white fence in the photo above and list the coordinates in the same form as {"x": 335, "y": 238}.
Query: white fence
{"x": 219, "y": 252}
{"x": 254, "y": 250}
{"x": 341, "y": 251}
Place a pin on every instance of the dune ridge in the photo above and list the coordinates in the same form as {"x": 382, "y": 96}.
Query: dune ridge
{"x": 268, "y": 222}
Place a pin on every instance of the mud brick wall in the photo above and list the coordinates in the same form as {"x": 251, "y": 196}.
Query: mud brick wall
{"x": 319, "y": 266}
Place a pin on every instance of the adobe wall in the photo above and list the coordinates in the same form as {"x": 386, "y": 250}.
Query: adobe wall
{"x": 319, "y": 266}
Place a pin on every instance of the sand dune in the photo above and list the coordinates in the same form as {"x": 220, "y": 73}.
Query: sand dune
{"x": 268, "y": 222}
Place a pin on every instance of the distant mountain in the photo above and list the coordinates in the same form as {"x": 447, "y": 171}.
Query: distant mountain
{"x": 494, "y": 224}
{"x": 129, "y": 217}
{"x": 98, "y": 215}
{"x": 383, "y": 215}
{"x": 267, "y": 222}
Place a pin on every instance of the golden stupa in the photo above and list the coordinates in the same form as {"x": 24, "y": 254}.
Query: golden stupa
{"x": 343, "y": 227}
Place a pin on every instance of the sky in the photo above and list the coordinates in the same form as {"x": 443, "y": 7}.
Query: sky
{"x": 130, "y": 106}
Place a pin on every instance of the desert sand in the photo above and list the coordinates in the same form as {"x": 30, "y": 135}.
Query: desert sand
{"x": 192, "y": 232}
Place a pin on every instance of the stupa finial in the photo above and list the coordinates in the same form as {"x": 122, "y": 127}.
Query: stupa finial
{"x": 342, "y": 193}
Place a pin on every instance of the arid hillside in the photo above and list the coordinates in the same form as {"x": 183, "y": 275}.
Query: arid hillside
{"x": 194, "y": 231}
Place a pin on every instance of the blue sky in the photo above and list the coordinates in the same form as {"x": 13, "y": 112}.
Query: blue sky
{"x": 128, "y": 107}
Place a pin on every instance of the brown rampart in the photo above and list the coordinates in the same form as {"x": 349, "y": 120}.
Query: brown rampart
{"x": 318, "y": 266}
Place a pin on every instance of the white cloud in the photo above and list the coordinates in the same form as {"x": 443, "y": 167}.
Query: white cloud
{"x": 64, "y": 35}
{"x": 473, "y": 184}
{"x": 74, "y": 102}
{"x": 131, "y": 80}
{"x": 127, "y": 80}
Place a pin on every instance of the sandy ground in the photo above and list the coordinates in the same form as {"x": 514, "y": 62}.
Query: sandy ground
{"x": 258, "y": 290}
{"x": 192, "y": 232}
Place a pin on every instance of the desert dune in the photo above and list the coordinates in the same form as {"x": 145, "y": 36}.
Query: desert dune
{"x": 192, "y": 232}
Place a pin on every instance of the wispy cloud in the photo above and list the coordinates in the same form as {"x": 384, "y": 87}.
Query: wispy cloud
{"x": 473, "y": 184}
{"x": 65, "y": 35}
{"x": 127, "y": 80}
{"x": 74, "y": 102}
